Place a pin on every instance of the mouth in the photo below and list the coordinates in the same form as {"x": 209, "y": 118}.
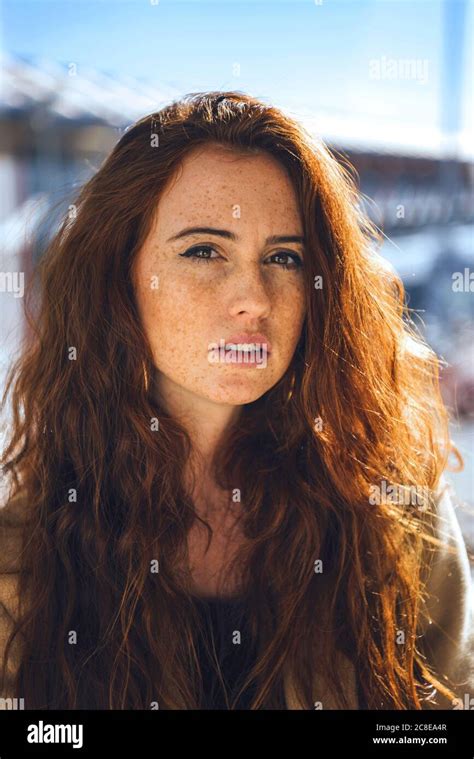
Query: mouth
{"x": 240, "y": 352}
{"x": 247, "y": 347}
{"x": 248, "y": 342}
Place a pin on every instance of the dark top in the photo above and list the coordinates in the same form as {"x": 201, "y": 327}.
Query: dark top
{"x": 222, "y": 617}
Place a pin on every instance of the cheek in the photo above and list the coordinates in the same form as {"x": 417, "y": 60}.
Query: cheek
{"x": 177, "y": 313}
{"x": 291, "y": 313}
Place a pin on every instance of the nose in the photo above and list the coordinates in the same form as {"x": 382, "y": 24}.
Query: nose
{"x": 249, "y": 292}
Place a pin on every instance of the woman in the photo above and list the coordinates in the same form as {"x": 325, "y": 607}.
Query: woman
{"x": 221, "y": 414}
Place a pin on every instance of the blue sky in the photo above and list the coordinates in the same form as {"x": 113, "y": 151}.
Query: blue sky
{"x": 309, "y": 57}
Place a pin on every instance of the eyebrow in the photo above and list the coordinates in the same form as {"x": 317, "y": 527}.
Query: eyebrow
{"x": 273, "y": 240}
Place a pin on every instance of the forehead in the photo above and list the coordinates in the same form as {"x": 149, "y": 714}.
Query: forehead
{"x": 215, "y": 179}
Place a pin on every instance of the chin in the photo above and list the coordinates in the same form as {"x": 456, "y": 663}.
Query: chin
{"x": 237, "y": 394}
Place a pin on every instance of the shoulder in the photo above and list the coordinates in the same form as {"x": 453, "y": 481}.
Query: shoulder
{"x": 13, "y": 516}
{"x": 447, "y": 610}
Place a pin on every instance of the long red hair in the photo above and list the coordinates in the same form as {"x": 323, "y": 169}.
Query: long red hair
{"x": 359, "y": 405}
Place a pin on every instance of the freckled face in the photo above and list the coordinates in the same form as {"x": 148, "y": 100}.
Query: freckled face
{"x": 199, "y": 289}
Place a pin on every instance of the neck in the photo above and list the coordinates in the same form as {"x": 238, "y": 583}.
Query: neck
{"x": 206, "y": 423}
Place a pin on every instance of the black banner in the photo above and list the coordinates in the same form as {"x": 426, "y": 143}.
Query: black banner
{"x": 138, "y": 733}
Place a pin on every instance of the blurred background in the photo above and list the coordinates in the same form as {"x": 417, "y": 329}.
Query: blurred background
{"x": 386, "y": 83}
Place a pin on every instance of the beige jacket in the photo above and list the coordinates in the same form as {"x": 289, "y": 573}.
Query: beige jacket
{"x": 448, "y": 638}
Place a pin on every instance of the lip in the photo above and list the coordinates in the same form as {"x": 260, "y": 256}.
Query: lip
{"x": 246, "y": 337}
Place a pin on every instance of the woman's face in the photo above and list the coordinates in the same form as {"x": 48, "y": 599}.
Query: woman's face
{"x": 233, "y": 283}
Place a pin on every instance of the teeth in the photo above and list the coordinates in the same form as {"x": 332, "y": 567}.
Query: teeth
{"x": 245, "y": 346}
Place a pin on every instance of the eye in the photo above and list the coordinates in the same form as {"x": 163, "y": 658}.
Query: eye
{"x": 192, "y": 253}
{"x": 297, "y": 262}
